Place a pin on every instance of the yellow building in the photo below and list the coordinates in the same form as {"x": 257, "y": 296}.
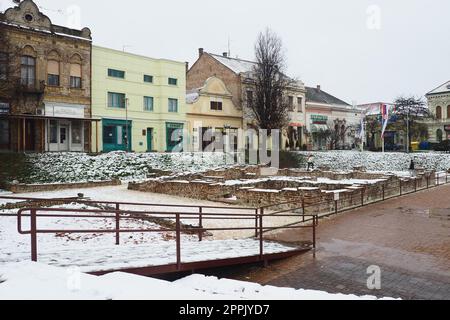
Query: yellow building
{"x": 137, "y": 97}
{"x": 212, "y": 116}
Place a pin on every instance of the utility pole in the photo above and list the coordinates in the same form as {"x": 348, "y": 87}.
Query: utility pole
{"x": 126, "y": 125}
{"x": 407, "y": 131}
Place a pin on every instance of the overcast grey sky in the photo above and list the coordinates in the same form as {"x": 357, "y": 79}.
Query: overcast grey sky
{"x": 358, "y": 50}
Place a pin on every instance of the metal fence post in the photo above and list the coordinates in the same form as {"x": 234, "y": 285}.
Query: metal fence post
{"x": 303, "y": 208}
{"x": 200, "y": 223}
{"x": 401, "y": 189}
{"x": 261, "y": 241}
{"x": 362, "y": 197}
{"x": 256, "y": 223}
{"x": 315, "y": 219}
{"x": 335, "y": 207}
{"x": 178, "y": 240}
{"x": 117, "y": 224}
{"x": 384, "y": 192}
{"x": 33, "y": 234}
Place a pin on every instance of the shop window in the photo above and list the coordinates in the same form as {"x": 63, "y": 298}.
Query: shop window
{"x": 77, "y": 132}
{"x": 4, "y": 132}
{"x": 53, "y": 132}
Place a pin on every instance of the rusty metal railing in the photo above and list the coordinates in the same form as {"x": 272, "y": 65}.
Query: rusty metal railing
{"x": 118, "y": 215}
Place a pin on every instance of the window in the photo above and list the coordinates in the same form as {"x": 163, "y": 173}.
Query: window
{"x": 439, "y": 135}
{"x": 27, "y": 70}
{"x": 291, "y": 103}
{"x": 438, "y": 113}
{"x": 4, "y": 132}
{"x": 75, "y": 75}
{"x": 448, "y": 112}
{"x": 173, "y": 81}
{"x": 53, "y": 131}
{"x": 148, "y": 78}
{"x": 77, "y": 132}
{"x": 3, "y": 65}
{"x": 53, "y": 73}
{"x": 148, "y": 103}
{"x": 216, "y": 105}
{"x": 116, "y": 100}
{"x": 249, "y": 99}
{"x": 173, "y": 105}
{"x": 109, "y": 134}
{"x": 300, "y": 104}
{"x": 116, "y": 73}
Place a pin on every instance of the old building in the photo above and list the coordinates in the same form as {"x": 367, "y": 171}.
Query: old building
{"x": 141, "y": 102}
{"x": 212, "y": 114}
{"x": 330, "y": 122}
{"x": 45, "y": 83}
{"x": 439, "y": 105}
{"x": 236, "y": 75}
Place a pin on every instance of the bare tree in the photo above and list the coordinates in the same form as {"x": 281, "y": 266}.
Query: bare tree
{"x": 409, "y": 110}
{"x": 338, "y": 131}
{"x": 270, "y": 106}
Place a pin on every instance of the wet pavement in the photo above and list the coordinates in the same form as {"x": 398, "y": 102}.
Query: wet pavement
{"x": 408, "y": 238}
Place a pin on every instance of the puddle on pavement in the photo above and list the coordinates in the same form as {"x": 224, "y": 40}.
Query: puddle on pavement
{"x": 441, "y": 214}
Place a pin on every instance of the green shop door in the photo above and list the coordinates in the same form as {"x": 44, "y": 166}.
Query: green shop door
{"x": 149, "y": 139}
{"x": 174, "y": 137}
{"x": 115, "y": 135}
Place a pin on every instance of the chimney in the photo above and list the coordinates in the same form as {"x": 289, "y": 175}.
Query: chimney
{"x": 318, "y": 87}
{"x": 200, "y": 52}
{"x": 187, "y": 66}
{"x": 225, "y": 54}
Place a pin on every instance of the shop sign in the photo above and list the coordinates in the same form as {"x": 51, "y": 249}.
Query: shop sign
{"x": 319, "y": 119}
{"x": 59, "y": 111}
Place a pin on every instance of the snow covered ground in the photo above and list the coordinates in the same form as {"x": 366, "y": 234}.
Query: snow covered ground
{"x": 121, "y": 193}
{"x": 377, "y": 161}
{"x": 26, "y": 280}
{"x": 80, "y": 167}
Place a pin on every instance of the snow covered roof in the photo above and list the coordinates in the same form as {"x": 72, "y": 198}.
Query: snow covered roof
{"x": 236, "y": 65}
{"x": 444, "y": 88}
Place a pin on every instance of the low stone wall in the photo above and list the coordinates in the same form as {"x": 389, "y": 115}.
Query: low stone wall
{"x": 28, "y": 188}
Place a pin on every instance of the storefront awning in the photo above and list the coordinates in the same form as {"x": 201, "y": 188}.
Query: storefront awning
{"x": 319, "y": 128}
{"x": 37, "y": 117}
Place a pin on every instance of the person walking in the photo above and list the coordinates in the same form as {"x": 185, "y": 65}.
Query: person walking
{"x": 412, "y": 168}
{"x": 310, "y": 161}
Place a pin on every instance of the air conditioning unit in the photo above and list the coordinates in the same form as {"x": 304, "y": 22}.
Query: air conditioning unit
{"x": 40, "y": 111}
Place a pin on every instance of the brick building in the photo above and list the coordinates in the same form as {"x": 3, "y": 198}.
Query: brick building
{"x": 236, "y": 75}
{"x": 45, "y": 83}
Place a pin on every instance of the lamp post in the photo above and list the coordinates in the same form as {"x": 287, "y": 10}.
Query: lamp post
{"x": 126, "y": 125}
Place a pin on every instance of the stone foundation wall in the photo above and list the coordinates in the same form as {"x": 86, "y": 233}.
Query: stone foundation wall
{"x": 28, "y": 188}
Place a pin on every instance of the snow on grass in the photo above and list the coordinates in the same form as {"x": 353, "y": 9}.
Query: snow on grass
{"x": 81, "y": 167}
{"x": 376, "y": 161}
{"x": 35, "y": 281}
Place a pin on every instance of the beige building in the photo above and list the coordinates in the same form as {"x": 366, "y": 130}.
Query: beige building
{"x": 210, "y": 110}
{"x": 439, "y": 105}
{"x": 45, "y": 83}
{"x": 236, "y": 75}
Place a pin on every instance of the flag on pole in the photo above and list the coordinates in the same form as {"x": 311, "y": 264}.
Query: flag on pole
{"x": 385, "y": 118}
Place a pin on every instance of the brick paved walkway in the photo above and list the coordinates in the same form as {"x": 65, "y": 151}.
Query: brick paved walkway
{"x": 407, "y": 237}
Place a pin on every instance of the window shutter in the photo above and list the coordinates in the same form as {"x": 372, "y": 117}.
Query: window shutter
{"x": 75, "y": 70}
{"x": 53, "y": 67}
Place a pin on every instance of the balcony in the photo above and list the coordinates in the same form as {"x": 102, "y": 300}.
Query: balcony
{"x": 31, "y": 87}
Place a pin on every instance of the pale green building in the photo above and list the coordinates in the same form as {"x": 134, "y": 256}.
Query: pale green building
{"x": 145, "y": 93}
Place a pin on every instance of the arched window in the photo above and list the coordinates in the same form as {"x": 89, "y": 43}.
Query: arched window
{"x": 27, "y": 70}
{"x": 439, "y": 113}
{"x": 75, "y": 71}
{"x": 53, "y": 73}
{"x": 448, "y": 112}
{"x": 439, "y": 135}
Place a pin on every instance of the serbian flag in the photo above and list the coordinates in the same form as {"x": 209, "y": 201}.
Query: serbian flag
{"x": 385, "y": 118}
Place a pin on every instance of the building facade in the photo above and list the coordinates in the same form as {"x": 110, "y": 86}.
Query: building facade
{"x": 45, "y": 83}
{"x": 330, "y": 122}
{"x": 141, "y": 102}
{"x": 236, "y": 75}
{"x": 439, "y": 105}
{"x": 211, "y": 111}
